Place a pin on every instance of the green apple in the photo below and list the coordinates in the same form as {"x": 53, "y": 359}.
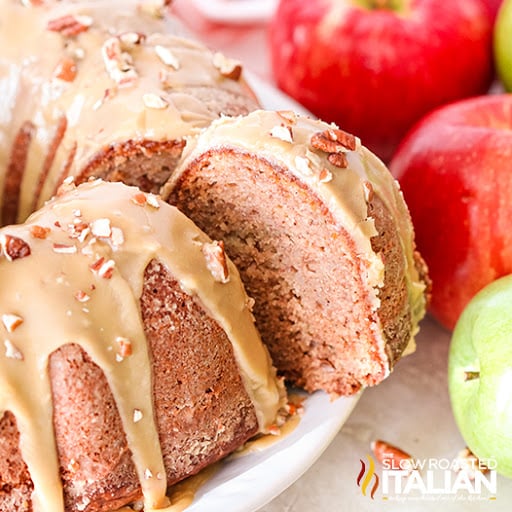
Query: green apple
{"x": 480, "y": 374}
{"x": 503, "y": 44}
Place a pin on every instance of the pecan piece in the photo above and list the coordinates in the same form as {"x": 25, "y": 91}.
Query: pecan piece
{"x": 167, "y": 57}
{"x": 288, "y": 115}
{"x": 338, "y": 159}
{"x": 347, "y": 140}
{"x": 227, "y": 67}
{"x": 14, "y": 248}
{"x": 102, "y": 268}
{"x": 139, "y": 199}
{"x": 65, "y": 70}
{"x": 39, "y": 232}
{"x": 325, "y": 176}
{"x": 216, "y": 260}
{"x": 391, "y": 456}
{"x": 11, "y": 321}
{"x": 119, "y": 64}
{"x": 125, "y": 347}
{"x": 284, "y": 133}
{"x": 129, "y": 40}
{"x": 368, "y": 191}
{"x": 333, "y": 140}
{"x": 70, "y": 25}
{"x": 12, "y": 351}
{"x": 154, "y": 101}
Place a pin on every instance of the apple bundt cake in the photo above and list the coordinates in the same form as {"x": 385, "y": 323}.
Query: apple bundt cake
{"x": 322, "y": 238}
{"x": 130, "y": 357}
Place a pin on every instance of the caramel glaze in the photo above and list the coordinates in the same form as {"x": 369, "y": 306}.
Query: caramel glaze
{"x": 76, "y": 267}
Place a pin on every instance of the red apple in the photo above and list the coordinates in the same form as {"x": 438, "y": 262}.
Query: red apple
{"x": 377, "y": 66}
{"x": 455, "y": 170}
{"x": 493, "y": 7}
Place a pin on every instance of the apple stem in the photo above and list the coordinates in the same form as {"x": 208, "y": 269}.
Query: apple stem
{"x": 469, "y": 375}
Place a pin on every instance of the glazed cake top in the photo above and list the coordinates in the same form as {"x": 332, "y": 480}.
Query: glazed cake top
{"x": 73, "y": 273}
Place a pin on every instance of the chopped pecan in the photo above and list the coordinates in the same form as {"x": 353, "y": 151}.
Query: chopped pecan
{"x": 325, "y": 176}
{"x": 70, "y": 25}
{"x": 131, "y": 39}
{"x": 152, "y": 201}
{"x": 333, "y": 140}
{"x": 282, "y": 132}
{"x": 64, "y": 248}
{"x": 81, "y": 296}
{"x": 303, "y": 165}
{"x": 391, "y": 456}
{"x": 338, "y": 159}
{"x": 101, "y": 228}
{"x": 288, "y": 115}
{"x": 118, "y": 64}
{"x": 167, "y": 57}
{"x": 154, "y": 101}
{"x": 228, "y": 68}
{"x": 102, "y": 268}
{"x": 216, "y": 260}
{"x": 368, "y": 191}
{"x": 66, "y": 70}
{"x": 117, "y": 236}
{"x": 14, "y": 248}
{"x": 12, "y": 351}
{"x": 11, "y": 321}
{"x": 347, "y": 140}
{"x": 125, "y": 347}
{"x": 39, "y": 232}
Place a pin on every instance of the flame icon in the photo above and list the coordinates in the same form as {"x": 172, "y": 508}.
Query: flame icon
{"x": 364, "y": 482}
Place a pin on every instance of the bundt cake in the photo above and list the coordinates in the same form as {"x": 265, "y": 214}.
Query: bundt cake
{"x": 322, "y": 238}
{"x": 130, "y": 357}
{"x": 100, "y": 89}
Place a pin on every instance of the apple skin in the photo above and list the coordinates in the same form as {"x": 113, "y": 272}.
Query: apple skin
{"x": 374, "y": 71}
{"x": 503, "y": 44}
{"x": 493, "y": 7}
{"x": 482, "y": 407}
{"x": 455, "y": 171}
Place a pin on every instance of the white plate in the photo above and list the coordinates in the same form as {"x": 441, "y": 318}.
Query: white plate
{"x": 246, "y": 483}
{"x": 237, "y": 11}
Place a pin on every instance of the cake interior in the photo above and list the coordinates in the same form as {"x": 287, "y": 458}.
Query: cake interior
{"x": 144, "y": 164}
{"x": 300, "y": 265}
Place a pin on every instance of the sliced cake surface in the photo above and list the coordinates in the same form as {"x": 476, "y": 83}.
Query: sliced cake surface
{"x": 322, "y": 238}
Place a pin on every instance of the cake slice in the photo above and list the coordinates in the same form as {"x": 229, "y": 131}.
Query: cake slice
{"x": 322, "y": 238}
{"x": 130, "y": 358}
